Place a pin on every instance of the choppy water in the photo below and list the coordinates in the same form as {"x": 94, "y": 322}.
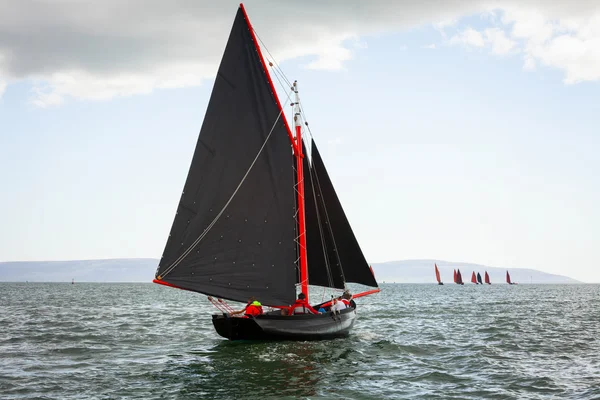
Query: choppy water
{"x": 144, "y": 341}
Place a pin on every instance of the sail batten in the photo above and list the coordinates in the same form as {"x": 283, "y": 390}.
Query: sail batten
{"x": 249, "y": 250}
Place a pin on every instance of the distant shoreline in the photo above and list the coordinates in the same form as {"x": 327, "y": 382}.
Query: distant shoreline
{"x": 142, "y": 270}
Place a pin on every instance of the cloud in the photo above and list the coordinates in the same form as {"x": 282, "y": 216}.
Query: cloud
{"x": 498, "y": 41}
{"x": 429, "y": 46}
{"x": 469, "y": 37}
{"x": 570, "y": 43}
{"x": 495, "y": 38}
{"x": 562, "y": 35}
{"x": 100, "y": 50}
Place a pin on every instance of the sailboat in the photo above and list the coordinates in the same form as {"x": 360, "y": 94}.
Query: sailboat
{"x": 479, "y": 279}
{"x": 459, "y": 278}
{"x": 474, "y": 278}
{"x": 508, "y": 279}
{"x": 256, "y": 211}
{"x": 455, "y": 277}
{"x": 487, "y": 278}
{"x": 437, "y": 275}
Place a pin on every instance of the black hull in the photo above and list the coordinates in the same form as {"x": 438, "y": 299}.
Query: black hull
{"x": 278, "y": 327}
{"x": 440, "y": 283}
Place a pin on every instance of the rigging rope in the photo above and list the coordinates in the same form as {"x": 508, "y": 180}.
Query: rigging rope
{"x": 321, "y": 233}
{"x": 337, "y": 255}
{"x": 275, "y": 65}
{"x": 214, "y": 221}
{"x": 279, "y": 72}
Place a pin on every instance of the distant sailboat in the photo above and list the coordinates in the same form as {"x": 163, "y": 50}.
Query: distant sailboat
{"x": 455, "y": 276}
{"x": 479, "y": 279}
{"x": 508, "y": 279}
{"x": 437, "y": 275}
{"x": 459, "y": 278}
{"x": 474, "y": 278}
{"x": 487, "y": 278}
{"x": 72, "y": 281}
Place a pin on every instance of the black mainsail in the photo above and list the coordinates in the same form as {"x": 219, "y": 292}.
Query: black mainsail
{"x": 249, "y": 249}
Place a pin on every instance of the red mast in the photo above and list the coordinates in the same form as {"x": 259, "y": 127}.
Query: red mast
{"x": 300, "y": 172}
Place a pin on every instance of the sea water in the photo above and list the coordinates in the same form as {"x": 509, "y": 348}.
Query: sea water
{"x": 145, "y": 341}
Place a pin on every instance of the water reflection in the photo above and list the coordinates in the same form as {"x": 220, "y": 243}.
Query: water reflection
{"x": 236, "y": 369}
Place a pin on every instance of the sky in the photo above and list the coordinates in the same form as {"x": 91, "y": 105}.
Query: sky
{"x": 459, "y": 130}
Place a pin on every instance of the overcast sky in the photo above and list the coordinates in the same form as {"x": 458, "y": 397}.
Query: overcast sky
{"x": 457, "y": 130}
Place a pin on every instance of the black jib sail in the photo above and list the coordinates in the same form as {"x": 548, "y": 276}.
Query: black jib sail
{"x": 323, "y": 264}
{"x": 342, "y": 247}
{"x": 479, "y": 278}
{"x": 234, "y": 232}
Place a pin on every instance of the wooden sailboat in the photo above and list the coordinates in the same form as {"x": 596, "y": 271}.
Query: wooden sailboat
{"x": 479, "y": 279}
{"x": 508, "y": 279}
{"x": 437, "y": 275}
{"x": 256, "y": 212}
{"x": 474, "y": 278}
{"x": 459, "y": 279}
{"x": 487, "y": 278}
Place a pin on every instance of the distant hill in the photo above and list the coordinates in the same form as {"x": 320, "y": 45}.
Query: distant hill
{"x": 143, "y": 269}
{"x": 112, "y": 270}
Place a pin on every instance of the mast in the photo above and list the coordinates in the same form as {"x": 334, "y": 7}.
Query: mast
{"x": 296, "y": 143}
{"x": 300, "y": 172}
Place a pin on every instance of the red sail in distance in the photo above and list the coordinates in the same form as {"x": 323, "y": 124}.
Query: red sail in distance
{"x": 455, "y": 276}
{"x": 487, "y": 278}
{"x": 508, "y": 278}
{"x": 459, "y": 278}
{"x": 474, "y": 278}
{"x": 437, "y": 274}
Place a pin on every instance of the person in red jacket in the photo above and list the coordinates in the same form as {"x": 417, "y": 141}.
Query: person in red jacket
{"x": 301, "y": 306}
{"x": 252, "y": 309}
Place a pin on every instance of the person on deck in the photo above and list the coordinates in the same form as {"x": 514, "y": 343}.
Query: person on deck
{"x": 301, "y": 306}
{"x": 339, "y": 304}
{"x": 347, "y": 299}
{"x": 252, "y": 309}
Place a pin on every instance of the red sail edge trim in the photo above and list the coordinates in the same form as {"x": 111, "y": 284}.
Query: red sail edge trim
{"x": 262, "y": 60}
{"x": 160, "y": 282}
{"x": 356, "y": 296}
